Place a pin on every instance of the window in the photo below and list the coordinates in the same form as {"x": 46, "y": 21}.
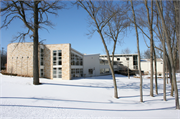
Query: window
{"x": 101, "y": 71}
{"x": 57, "y": 72}
{"x": 57, "y": 57}
{"x": 76, "y": 73}
{"x": 90, "y": 71}
{"x": 135, "y": 62}
{"x": 41, "y": 72}
{"x": 76, "y": 60}
{"x": 118, "y": 59}
{"x": 42, "y": 57}
{"x": 101, "y": 62}
{"x": 107, "y": 70}
{"x": 127, "y": 58}
{"x": 54, "y": 73}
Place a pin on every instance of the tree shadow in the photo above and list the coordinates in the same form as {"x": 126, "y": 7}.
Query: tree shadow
{"x": 93, "y": 109}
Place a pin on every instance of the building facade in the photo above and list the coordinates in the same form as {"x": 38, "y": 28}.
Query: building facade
{"x": 54, "y": 60}
{"x": 60, "y": 61}
{"x": 146, "y": 66}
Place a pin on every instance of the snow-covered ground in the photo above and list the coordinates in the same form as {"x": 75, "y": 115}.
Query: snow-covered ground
{"x": 85, "y": 98}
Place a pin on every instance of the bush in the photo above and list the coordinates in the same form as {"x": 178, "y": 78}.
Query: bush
{"x": 6, "y": 73}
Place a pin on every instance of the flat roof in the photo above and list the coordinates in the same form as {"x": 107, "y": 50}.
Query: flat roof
{"x": 76, "y": 51}
{"x": 91, "y": 55}
{"x": 119, "y": 54}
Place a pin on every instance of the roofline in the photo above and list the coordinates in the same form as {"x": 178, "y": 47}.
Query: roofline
{"x": 77, "y": 51}
{"x": 119, "y": 54}
{"x": 91, "y": 55}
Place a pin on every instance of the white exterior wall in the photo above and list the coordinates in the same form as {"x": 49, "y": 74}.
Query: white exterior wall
{"x": 91, "y": 62}
{"x": 125, "y": 62}
{"x": 145, "y": 66}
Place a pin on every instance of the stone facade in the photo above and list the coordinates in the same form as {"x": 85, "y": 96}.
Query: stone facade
{"x": 20, "y": 59}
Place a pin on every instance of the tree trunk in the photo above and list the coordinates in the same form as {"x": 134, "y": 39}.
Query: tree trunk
{"x": 139, "y": 57}
{"x": 155, "y": 70}
{"x": 35, "y": 46}
{"x": 170, "y": 56}
{"x": 164, "y": 65}
{"x": 150, "y": 22}
{"x": 177, "y": 19}
{"x": 110, "y": 64}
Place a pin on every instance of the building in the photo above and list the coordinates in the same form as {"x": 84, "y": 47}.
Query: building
{"x": 56, "y": 61}
{"x": 128, "y": 60}
{"x": 146, "y": 66}
{"x": 60, "y": 61}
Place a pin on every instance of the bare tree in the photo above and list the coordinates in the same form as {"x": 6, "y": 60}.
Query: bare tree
{"x": 150, "y": 22}
{"x": 126, "y": 51}
{"x": 146, "y": 54}
{"x": 139, "y": 64}
{"x": 33, "y": 14}
{"x": 97, "y": 11}
{"x": 170, "y": 52}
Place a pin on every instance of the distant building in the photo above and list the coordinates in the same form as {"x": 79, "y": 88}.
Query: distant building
{"x": 146, "y": 66}
{"x": 60, "y": 61}
{"x": 129, "y": 60}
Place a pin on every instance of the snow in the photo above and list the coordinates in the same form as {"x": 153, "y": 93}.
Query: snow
{"x": 83, "y": 98}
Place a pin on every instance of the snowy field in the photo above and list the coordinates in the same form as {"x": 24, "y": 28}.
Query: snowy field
{"x": 84, "y": 98}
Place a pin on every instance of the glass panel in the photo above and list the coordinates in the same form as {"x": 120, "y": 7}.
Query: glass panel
{"x": 59, "y": 63}
{"x": 77, "y": 70}
{"x": 101, "y": 71}
{"x": 59, "y": 54}
{"x": 107, "y": 70}
{"x": 77, "y": 62}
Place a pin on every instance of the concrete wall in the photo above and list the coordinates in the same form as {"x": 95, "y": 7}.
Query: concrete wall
{"x": 91, "y": 62}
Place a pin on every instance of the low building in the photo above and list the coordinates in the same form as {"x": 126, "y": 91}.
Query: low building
{"x": 128, "y": 60}
{"x": 146, "y": 66}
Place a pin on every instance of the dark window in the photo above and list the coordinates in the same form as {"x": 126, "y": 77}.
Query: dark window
{"x": 118, "y": 59}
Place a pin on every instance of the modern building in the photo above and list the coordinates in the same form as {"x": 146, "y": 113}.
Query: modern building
{"x": 56, "y": 61}
{"x": 60, "y": 61}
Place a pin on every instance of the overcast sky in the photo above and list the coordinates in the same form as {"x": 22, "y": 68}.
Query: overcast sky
{"x": 71, "y": 26}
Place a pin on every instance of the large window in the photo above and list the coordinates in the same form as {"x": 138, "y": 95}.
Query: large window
{"x": 57, "y": 57}
{"x": 104, "y": 71}
{"x": 76, "y": 72}
{"x": 76, "y": 60}
{"x": 57, "y": 72}
{"x": 135, "y": 62}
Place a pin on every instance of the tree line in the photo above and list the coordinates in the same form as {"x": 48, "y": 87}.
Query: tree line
{"x": 158, "y": 21}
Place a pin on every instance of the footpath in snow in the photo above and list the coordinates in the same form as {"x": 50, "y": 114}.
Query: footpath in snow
{"x": 84, "y": 98}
